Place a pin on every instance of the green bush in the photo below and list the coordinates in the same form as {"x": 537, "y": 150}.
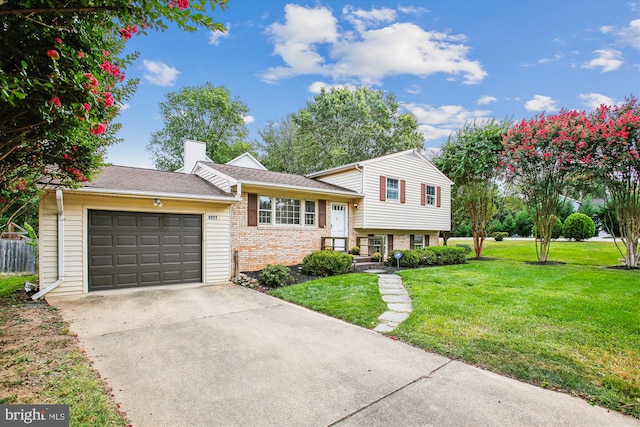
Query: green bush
{"x": 500, "y": 235}
{"x": 376, "y": 256}
{"x": 275, "y": 276}
{"x": 428, "y": 257}
{"x": 467, "y": 248}
{"x": 327, "y": 263}
{"x": 447, "y": 255}
{"x": 355, "y": 250}
{"x": 410, "y": 258}
{"x": 578, "y": 226}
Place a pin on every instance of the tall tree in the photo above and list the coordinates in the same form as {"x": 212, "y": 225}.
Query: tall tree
{"x": 538, "y": 154}
{"x": 282, "y": 151}
{"x": 62, "y": 80}
{"x": 204, "y": 113}
{"x": 342, "y": 126}
{"x": 610, "y": 150}
{"x": 470, "y": 159}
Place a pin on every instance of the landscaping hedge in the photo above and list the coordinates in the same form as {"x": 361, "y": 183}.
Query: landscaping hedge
{"x": 327, "y": 263}
{"x": 433, "y": 255}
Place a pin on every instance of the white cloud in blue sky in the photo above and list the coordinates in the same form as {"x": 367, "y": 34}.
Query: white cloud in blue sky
{"x": 159, "y": 73}
{"x": 216, "y": 36}
{"x": 312, "y": 41}
{"x": 453, "y": 63}
{"x": 541, "y": 103}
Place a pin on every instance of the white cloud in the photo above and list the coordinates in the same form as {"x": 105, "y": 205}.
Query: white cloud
{"x": 316, "y": 87}
{"x": 412, "y": 10}
{"x": 541, "y": 103}
{"x": 122, "y": 107}
{"x": 310, "y": 43}
{"x": 414, "y": 89}
{"x": 248, "y": 119}
{"x": 160, "y": 73}
{"x": 486, "y": 100}
{"x": 631, "y": 34}
{"x": 606, "y": 29}
{"x": 216, "y": 36}
{"x": 594, "y": 100}
{"x": 296, "y": 41}
{"x": 440, "y": 122}
{"x": 607, "y": 59}
{"x": 361, "y": 19}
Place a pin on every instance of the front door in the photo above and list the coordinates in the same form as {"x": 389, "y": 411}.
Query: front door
{"x": 339, "y": 225}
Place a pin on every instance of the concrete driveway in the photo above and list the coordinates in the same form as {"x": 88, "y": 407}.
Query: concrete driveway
{"x": 230, "y": 356}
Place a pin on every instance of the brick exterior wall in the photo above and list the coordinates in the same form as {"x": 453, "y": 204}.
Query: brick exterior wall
{"x": 258, "y": 246}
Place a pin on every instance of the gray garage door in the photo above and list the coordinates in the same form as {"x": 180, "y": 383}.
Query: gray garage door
{"x": 128, "y": 249}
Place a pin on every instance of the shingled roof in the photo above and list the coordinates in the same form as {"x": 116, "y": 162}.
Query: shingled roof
{"x": 127, "y": 179}
{"x": 257, "y": 176}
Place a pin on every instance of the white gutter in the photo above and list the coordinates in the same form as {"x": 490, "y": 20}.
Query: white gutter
{"x": 116, "y": 192}
{"x": 55, "y": 284}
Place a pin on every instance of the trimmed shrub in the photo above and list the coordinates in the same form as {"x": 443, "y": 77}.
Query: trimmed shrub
{"x": 327, "y": 263}
{"x": 355, "y": 250}
{"x": 578, "y": 226}
{"x": 467, "y": 248}
{"x": 446, "y": 255}
{"x": 500, "y": 235}
{"x": 428, "y": 257}
{"x": 376, "y": 256}
{"x": 410, "y": 258}
{"x": 275, "y": 276}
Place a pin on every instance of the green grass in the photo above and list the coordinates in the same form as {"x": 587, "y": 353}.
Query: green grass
{"x": 352, "y": 297}
{"x": 10, "y": 283}
{"x": 573, "y": 327}
{"x": 42, "y": 362}
{"x": 583, "y": 253}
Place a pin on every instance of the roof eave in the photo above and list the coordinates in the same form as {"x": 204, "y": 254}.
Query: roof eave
{"x": 302, "y": 188}
{"x": 153, "y": 194}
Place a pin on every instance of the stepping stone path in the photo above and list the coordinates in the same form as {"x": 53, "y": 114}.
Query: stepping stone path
{"x": 398, "y": 302}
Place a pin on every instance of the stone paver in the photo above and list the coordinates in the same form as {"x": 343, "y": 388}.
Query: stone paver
{"x": 398, "y": 302}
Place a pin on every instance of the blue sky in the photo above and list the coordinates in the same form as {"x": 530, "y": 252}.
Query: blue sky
{"x": 447, "y": 61}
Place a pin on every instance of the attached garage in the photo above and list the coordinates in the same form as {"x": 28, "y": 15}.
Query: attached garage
{"x": 130, "y": 249}
{"x": 131, "y": 228}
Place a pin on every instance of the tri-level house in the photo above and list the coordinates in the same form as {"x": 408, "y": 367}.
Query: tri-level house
{"x": 132, "y": 227}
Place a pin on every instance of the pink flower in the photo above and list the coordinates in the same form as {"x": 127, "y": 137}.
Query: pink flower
{"x": 108, "y": 99}
{"x": 80, "y": 54}
{"x": 53, "y": 54}
{"x": 106, "y": 53}
{"x": 128, "y": 32}
{"x": 55, "y": 101}
{"x": 98, "y": 128}
{"x": 182, "y": 4}
{"x": 58, "y": 40}
{"x": 86, "y": 106}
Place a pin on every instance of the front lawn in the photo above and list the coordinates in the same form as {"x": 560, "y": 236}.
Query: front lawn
{"x": 571, "y": 327}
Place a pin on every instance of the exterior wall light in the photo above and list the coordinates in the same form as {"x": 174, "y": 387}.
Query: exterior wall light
{"x": 157, "y": 203}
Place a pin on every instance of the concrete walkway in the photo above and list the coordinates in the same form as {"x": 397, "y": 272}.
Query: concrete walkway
{"x": 231, "y": 356}
{"x": 398, "y": 302}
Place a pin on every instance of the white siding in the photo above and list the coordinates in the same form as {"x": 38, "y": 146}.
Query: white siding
{"x": 216, "y": 247}
{"x": 349, "y": 179}
{"x": 411, "y": 215}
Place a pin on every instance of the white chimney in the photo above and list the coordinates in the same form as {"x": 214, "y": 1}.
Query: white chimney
{"x": 194, "y": 151}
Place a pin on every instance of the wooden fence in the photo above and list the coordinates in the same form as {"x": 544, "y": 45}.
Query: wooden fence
{"x": 16, "y": 256}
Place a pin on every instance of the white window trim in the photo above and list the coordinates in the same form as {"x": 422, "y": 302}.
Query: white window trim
{"x": 427, "y": 195}
{"x": 302, "y": 212}
{"x": 387, "y": 198}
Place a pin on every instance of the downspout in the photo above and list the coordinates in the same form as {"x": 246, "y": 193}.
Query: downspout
{"x": 55, "y": 284}
{"x": 361, "y": 179}
{"x": 239, "y": 190}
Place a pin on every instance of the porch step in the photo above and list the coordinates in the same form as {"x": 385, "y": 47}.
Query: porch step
{"x": 360, "y": 266}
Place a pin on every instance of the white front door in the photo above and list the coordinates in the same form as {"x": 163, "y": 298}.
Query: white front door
{"x": 339, "y": 224}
